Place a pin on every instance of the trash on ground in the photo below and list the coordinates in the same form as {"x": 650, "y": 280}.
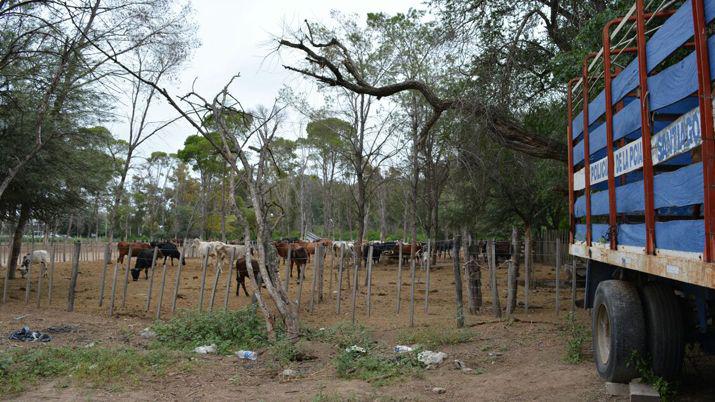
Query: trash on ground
{"x": 289, "y": 373}
{"x": 206, "y": 349}
{"x": 247, "y": 355}
{"x": 439, "y": 390}
{"x": 403, "y": 349}
{"x": 25, "y": 335}
{"x": 356, "y": 348}
{"x": 429, "y": 357}
{"x": 460, "y": 365}
{"x": 147, "y": 333}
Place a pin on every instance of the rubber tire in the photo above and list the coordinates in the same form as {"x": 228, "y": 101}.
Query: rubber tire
{"x": 622, "y": 304}
{"x": 665, "y": 339}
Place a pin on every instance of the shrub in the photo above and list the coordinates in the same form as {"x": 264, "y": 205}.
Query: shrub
{"x": 230, "y": 331}
{"x": 576, "y": 335}
{"x": 433, "y": 338}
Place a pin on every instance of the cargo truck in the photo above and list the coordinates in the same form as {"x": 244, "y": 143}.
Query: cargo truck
{"x": 641, "y": 160}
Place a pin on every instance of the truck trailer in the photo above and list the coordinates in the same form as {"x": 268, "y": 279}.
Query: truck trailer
{"x": 641, "y": 160}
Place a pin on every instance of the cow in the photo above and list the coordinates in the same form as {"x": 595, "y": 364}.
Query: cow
{"x": 242, "y": 274}
{"x": 144, "y": 260}
{"x": 204, "y": 248}
{"x": 406, "y": 250}
{"x": 169, "y": 250}
{"x": 377, "y": 249}
{"x": 223, "y": 250}
{"x": 41, "y": 257}
{"x": 298, "y": 254}
{"x": 124, "y": 249}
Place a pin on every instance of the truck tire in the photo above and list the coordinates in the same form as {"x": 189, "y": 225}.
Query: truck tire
{"x": 618, "y": 330}
{"x": 665, "y": 336}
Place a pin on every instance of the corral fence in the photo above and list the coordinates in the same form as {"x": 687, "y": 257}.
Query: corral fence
{"x": 85, "y": 275}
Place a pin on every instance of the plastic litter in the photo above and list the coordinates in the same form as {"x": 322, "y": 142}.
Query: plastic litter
{"x": 289, "y": 373}
{"x": 356, "y": 348}
{"x": 460, "y": 365}
{"x": 247, "y": 355}
{"x": 403, "y": 349}
{"x": 429, "y": 357}
{"x": 206, "y": 349}
{"x": 26, "y": 335}
{"x": 147, "y": 333}
{"x": 439, "y": 390}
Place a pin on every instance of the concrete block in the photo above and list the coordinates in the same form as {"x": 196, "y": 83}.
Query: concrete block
{"x": 617, "y": 389}
{"x": 642, "y": 392}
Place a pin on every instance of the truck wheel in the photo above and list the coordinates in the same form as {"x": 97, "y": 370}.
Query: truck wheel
{"x": 618, "y": 329}
{"x": 665, "y": 337}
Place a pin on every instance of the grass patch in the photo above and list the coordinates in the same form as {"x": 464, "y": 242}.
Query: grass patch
{"x": 230, "y": 331}
{"x": 95, "y": 366}
{"x": 576, "y": 335}
{"x": 375, "y": 367}
{"x": 432, "y": 338}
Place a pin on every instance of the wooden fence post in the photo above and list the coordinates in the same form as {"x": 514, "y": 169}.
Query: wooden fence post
{"x": 399, "y": 277}
{"x": 340, "y": 279}
{"x": 356, "y": 262}
{"x": 287, "y": 268}
{"x": 369, "y": 279}
{"x": 558, "y": 275}
{"x": 126, "y": 277}
{"x": 513, "y": 273}
{"x": 114, "y": 289}
{"x": 427, "y": 275}
{"x": 107, "y": 258}
{"x": 161, "y": 290}
{"x": 28, "y": 285}
{"x": 314, "y": 287}
{"x": 228, "y": 279}
{"x": 73, "y": 278}
{"x": 527, "y": 272}
{"x": 204, "y": 267}
{"x": 321, "y": 269}
{"x": 219, "y": 268}
{"x": 51, "y": 278}
{"x": 177, "y": 281}
{"x": 457, "y": 281}
{"x": 412, "y": 291}
{"x": 151, "y": 279}
{"x": 332, "y": 268}
{"x": 491, "y": 255}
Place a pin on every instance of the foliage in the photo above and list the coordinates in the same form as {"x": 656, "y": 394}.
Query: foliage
{"x": 667, "y": 390}
{"x": 376, "y": 367}
{"x": 230, "y": 331}
{"x": 576, "y": 335}
{"x": 343, "y": 335}
{"x": 95, "y": 366}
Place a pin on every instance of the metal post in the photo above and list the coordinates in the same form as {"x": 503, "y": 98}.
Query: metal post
{"x": 706, "y": 125}
{"x": 645, "y": 128}
{"x": 569, "y": 131}
{"x": 586, "y": 149}
{"x": 613, "y": 233}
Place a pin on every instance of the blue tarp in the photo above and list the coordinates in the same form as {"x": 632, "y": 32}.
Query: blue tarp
{"x": 681, "y": 235}
{"x": 676, "y": 30}
{"x": 680, "y": 188}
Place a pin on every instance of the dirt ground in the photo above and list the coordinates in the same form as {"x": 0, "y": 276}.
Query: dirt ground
{"x": 521, "y": 359}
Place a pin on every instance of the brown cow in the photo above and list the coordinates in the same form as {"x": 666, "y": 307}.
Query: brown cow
{"x": 298, "y": 255}
{"x": 406, "y": 250}
{"x": 242, "y": 274}
{"x": 123, "y": 247}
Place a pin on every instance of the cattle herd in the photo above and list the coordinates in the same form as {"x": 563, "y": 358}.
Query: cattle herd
{"x": 297, "y": 252}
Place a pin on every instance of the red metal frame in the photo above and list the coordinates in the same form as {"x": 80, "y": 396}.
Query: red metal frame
{"x": 586, "y": 149}
{"x": 645, "y": 129}
{"x": 569, "y": 131}
{"x": 706, "y": 124}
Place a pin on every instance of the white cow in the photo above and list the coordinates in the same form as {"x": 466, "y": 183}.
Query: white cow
{"x": 203, "y": 248}
{"x": 223, "y": 251}
{"x": 41, "y": 257}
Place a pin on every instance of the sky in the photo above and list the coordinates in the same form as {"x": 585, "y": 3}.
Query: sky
{"x": 239, "y": 37}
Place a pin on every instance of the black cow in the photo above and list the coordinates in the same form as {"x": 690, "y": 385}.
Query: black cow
{"x": 144, "y": 262}
{"x": 169, "y": 250}
{"x": 242, "y": 274}
{"x": 377, "y": 250}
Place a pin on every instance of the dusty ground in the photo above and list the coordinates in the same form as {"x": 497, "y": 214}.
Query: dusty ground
{"x": 512, "y": 360}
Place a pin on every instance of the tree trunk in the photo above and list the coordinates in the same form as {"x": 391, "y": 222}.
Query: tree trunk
{"x": 474, "y": 283}
{"x": 17, "y": 240}
{"x": 513, "y": 273}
